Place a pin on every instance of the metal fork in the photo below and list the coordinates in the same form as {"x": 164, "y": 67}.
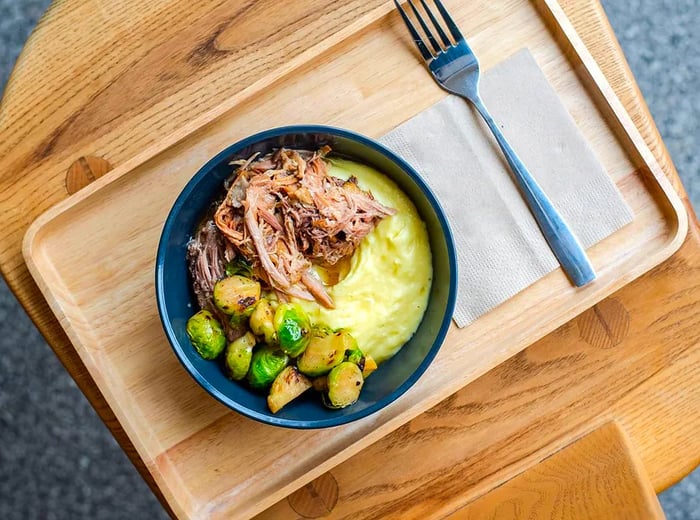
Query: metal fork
{"x": 456, "y": 69}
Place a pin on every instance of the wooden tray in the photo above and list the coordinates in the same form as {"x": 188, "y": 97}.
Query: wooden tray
{"x": 93, "y": 255}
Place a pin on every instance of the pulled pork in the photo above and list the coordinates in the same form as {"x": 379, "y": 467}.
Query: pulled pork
{"x": 284, "y": 211}
{"x": 207, "y": 254}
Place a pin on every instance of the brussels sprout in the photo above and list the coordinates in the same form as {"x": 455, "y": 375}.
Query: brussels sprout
{"x": 320, "y": 384}
{"x": 266, "y": 363}
{"x": 238, "y": 356}
{"x": 287, "y": 386}
{"x": 355, "y": 355}
{"x": 344, "y": 385}
{"x": 324, "y": 351}
{"x": 293, "y": 328}
{"x": 321, "y": 329}
{"x": 206, "y": 334}
{"x": 240, "y": 319}
{"x": 370, "y": 366}
{"x": 233, "y": 295}
{"x": 348, "y": 341}
{"x": 262, "y": 321}
{"x": 239, "y": 266}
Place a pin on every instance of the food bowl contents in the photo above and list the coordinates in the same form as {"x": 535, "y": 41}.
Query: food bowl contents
{"x": 309, "y": 272}
{"x": 284, "y": 211}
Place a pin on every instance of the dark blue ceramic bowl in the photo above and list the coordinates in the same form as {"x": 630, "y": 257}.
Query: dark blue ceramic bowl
{"x": 176, "y": 302}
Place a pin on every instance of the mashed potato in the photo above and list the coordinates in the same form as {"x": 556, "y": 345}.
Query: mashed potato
{"x": 382, "y": 299}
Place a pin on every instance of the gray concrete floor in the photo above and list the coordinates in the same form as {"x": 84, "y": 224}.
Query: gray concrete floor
{"x": 57, "y": 459}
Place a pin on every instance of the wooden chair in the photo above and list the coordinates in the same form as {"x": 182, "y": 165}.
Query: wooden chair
{"x": 596, "y": 477}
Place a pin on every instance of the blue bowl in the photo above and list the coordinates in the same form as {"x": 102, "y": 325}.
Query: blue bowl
{"x": 176, "y": 301}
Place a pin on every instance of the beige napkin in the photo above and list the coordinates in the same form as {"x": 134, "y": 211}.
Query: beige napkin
{"x": 500, "y": 249}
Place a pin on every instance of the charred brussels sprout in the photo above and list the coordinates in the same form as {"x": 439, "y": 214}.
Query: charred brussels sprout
{"x": 238, "y": 356}
{"x": 348, "y": 341}
{"x": 355, "y": 356}
{"x": 262, "y": 321}
{"x": 293, "y": 328}
{"x": 240, "y": 319}
{"x": 239, "y": 266}
{"x": 325, "y": 350}
{"x": 321, "y": 329}
{"x": 206, "y": 334}
{"x": 344, "y": 385}
{"x": 370, "y": 366}
{"x": 364, "y": 362}
{"x": 287, "y": 386}
{"x": 266, "y": 364}
{"x": 235, "y": 294}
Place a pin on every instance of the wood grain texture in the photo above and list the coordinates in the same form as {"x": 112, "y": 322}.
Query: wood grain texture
{"x": 84, "y": 171}
{"x": 605, "y": 324}
{"x": 117, "y": 333}
{"x": 316, "y": 499}
{"x": 658, "y": 411}
{"x": 596, "y": 477}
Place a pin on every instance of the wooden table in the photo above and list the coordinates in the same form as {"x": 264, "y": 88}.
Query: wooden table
{"x": 88, "y": 86}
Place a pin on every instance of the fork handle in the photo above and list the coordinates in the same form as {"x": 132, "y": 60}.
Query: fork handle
{"x": 559, "y": 236}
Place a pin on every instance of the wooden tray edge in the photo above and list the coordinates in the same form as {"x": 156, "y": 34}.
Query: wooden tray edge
{"x": 591, "y": 74}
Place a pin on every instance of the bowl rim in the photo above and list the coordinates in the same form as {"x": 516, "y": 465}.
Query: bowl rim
{"x": 169, "y": 226}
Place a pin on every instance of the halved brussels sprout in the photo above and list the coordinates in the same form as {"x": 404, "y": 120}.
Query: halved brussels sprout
{"x": 293, "y": 328}
{"x": 349, "y": 342}
{"x": 370, "y": 366}
{"x": 235, "y": 294}
{"x": 262, "y": 321}
{"x": 325, "y": 350}
{"x": 266, "y": 364}
{"x": 344, "y": 385}
{"x": 238, "y": 356}
{"x": 206, "y": 334}
{"x": 287, "y": 386}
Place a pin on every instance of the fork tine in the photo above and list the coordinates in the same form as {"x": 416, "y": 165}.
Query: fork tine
{"x": 435, "y": 23}
{"x": 425, "y": 52}
{"x": 451, "y": 25}
{"x": 426, "y": 29}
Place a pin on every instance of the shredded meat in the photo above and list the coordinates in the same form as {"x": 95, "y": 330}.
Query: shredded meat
{"x": 284, "y": 211}
{"x": 207, "y": 255}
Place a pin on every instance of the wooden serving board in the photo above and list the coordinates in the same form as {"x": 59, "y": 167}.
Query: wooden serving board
{"x": 93, "y": 255}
